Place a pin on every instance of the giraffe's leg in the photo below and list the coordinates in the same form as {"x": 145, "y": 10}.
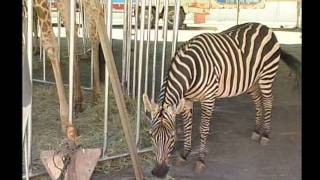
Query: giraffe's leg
{"x": 187, "y": 129}
{"x": 96, "y": 76}
{"x": 77, "y": 83}
{"x": 206, "y": 113}
{"x": 256, "y": 97}
{"x": 51, "y": 46}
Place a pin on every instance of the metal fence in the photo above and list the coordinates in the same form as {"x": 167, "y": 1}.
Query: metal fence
{"x": 133, "y": 10}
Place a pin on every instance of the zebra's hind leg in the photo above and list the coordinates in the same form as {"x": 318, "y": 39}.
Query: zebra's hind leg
{"x": 256, "y": 97}
{"x": 206, "y": 113}
{"x": 267, "y": 98}
{"x": 187, "y": 129}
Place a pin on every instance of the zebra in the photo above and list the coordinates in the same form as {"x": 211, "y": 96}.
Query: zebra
{"x": 241, "y": 59}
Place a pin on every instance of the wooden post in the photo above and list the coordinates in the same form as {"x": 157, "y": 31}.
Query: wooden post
{"x": 118, "y": 94}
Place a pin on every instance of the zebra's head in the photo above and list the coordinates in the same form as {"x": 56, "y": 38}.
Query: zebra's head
{"x": 162, "y": 133}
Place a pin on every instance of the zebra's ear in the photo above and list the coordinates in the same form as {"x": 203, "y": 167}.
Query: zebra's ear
{"x": 150, "y": 106}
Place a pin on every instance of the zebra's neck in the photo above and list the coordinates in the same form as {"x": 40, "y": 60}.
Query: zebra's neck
{"x": 166, "y": 97}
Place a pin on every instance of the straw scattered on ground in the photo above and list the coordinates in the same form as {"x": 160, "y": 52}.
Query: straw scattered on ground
{"x": 46, "y": 132}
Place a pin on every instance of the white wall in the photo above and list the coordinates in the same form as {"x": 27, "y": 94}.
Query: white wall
{"x": 275, "y": 14}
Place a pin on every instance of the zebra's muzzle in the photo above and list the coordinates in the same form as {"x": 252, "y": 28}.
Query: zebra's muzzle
{"x": 160, "y": 170}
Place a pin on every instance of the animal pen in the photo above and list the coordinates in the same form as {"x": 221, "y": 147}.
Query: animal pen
{"x": 146, "y": 52}
{"x": 135, "y": 80}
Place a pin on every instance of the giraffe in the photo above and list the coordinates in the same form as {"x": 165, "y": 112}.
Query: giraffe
{"x": 50, "y": 44}
{"x": 94, "y": 38}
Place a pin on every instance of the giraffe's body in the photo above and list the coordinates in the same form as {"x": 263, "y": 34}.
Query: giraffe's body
{"x": 50, "y": 45}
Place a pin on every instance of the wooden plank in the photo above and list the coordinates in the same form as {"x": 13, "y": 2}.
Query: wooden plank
{"x": 81, "y": 166}
{"x": 115, "y": 82}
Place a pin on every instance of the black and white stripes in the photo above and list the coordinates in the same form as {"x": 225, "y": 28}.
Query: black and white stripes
{"x": 242, "y": 59}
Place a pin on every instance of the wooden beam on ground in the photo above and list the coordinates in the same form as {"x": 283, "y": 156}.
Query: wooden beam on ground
{"x": 115, "y": 82}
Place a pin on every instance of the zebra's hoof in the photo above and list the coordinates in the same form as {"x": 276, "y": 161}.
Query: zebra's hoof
{"x": 199, "y": 167}
{"x": 264, "y": 141}
{"x": 255, "y": 136}
{"x": 180, "y": 161}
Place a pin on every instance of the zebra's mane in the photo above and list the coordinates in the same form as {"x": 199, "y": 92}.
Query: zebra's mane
{"x": 163, "y": 90}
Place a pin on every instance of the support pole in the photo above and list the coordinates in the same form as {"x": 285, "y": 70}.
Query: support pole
{"x": 140, "y": 69}
{"x": 238, "y": 11}
{"x": 175, "y": 28}
{"x": 155, "y": 49}
{"x": 164, "y": 30}
{"x": 71, "y": 56}
{"x": 30, "y": 59}
{"x": 118, "y": 93}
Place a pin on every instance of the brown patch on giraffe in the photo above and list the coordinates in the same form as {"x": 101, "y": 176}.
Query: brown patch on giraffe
{"x": 37, "y": 1}
{"x": 39, "y": 12}
{"x": 45, "y": 27}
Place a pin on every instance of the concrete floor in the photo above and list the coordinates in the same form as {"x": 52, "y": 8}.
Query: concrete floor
{"x": 232, "y": 154}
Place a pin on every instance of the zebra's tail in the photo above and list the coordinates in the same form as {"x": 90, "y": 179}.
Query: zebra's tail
{"x": 291, "y": 61}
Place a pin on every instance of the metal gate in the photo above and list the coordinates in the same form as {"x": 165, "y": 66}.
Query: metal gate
{"x": 132, "y": 72}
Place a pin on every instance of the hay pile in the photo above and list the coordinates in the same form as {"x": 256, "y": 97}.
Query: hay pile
{"x": 46, "y": 132}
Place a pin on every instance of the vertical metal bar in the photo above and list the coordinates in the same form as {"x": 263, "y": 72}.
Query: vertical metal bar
{"x": 135, "y": 48}
{"x": 140, "y": 69}
{"x": 164, "y": 30}
{"x": 71, "y": 56}
{"x": 147, "y": 49}
{"x": 91, "y": 69}
{"x": 26, "y": 162}
{"x": 175, "y": 27}
{"x": 238, "y": 11}
{"x": 108, "y": 21}
{"x": 29, "y": 52}
{"x": 59, "y": 36}
{"x": 124, "y": 45}
{"x": 36, "y": 35}
{"x": 44, "y": 64}
{"x": 129, "y": 45}
{"x": 82, "y": 25}
{"x": 298, "y": 13}
{"x": 155, "y": 48}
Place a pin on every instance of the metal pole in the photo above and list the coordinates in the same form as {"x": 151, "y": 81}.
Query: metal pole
{"x": 175, "y": 27}
{"x": 108, "y": 22}
{"x": 140, "y": 69}
{"x": 59, "y": 36}
{"x": 164, "y": 30}
{"x": 71, "y": 56}
{"x": 238, "y": 11}
{"x": 36, "y": 35}
{"x": 135, "y": 49}
{"x": 129, "y": 45}
{"x": 124, "y": 45}
{"x": 298, "y": 13}
{"x": 26, "y": 162}
{"x": 155, "y": 48}
{"x": 44, "y": 64}
{"x": 67, "y": 85}
{"x": 91, "y": 69}
{"x": 29, "y": 52}
{"x": 81, "y": 21}
{"x": 147, "y": 49}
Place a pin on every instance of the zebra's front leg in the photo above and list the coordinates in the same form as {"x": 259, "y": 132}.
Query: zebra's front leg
{"x": 206, "y": 113}
{"x": 187, "y": 129}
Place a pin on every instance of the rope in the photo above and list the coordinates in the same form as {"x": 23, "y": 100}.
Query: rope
{"x": 67, "y": 148}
